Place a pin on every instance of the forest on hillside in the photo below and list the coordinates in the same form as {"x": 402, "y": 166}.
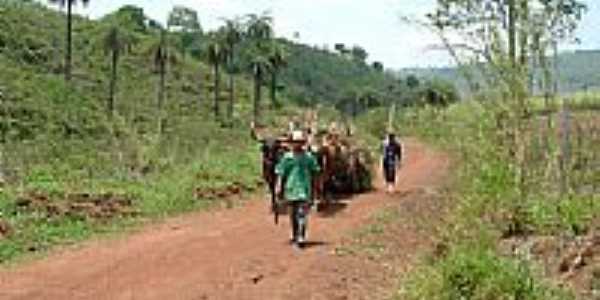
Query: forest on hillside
{"x": 577, "y": 72}
{"x": 201, "y": 67}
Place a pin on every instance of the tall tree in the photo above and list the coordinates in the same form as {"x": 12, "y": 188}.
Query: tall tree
{"x": 259, "y": 30}
{"x": 160, "y": 63}
{"x": 232, "y": 32}
{"x": 359, "y": 53}
{"x": 512, "y": 32}
{"x": 412, "y": 82}
{"x": 498, "y": 30}
{"x": 524, "y": 33}
{"x": 377, "y": 66}
{"x": 68, "y": 55}
{"x": 277, "y": 61}
{"x": 483, "y": 23}
{"x": 339, "y": 47}
{"x": 115, "y": 44}
{"x": 260, "y": 67}
{"x": 162, "y": 56}
{"x": 130, "y": 17}
{"x": 259, "y": 27}
{"x": 482, "y": 19}
{"x": 184, "y": 18}
{"x": 216, "y": 55}
{"x": 186, "y": 26}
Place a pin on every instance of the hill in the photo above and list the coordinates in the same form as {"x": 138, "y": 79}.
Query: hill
{"x": 577, "y": 72}
{"x": 69, "y": 168}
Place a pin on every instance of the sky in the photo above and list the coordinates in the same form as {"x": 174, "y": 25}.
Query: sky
{"x": 376, "y": 25}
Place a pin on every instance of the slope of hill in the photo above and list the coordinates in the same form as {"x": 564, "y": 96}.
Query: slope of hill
{"x": 68, "y": 169}
{"x": 577, "y": 72}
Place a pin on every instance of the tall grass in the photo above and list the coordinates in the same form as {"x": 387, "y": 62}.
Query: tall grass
{"x": 489, "y": 200}
{"x": 474, "y": 271}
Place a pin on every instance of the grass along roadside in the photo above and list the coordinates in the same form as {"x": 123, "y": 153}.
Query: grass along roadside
{"x": 489, "y": 210}
{"x": 396, "y": 237}
{"x": 56, "y": 205}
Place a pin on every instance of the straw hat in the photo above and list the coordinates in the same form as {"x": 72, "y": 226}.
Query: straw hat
{"x": 298, "y": 136}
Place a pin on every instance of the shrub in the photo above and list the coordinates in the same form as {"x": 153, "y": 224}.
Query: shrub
{"x": 474, "y": 272}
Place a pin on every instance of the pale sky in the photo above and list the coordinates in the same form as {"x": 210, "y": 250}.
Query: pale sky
{"x": 374, "y": 24}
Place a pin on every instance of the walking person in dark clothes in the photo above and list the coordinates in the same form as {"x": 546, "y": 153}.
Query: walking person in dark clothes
{"x": 392, "y": 158}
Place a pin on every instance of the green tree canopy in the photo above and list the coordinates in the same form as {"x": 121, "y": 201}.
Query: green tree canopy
{"x": 359, "y": 53}
{"x": 184, "y": 19}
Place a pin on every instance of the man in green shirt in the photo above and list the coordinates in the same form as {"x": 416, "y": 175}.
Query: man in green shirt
{"x": 298, "y": 168}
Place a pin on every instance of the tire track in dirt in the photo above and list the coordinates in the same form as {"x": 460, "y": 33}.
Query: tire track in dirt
{"x": 222, "y": 254}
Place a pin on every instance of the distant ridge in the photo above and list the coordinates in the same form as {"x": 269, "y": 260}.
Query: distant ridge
{"x": 579, "y": 70}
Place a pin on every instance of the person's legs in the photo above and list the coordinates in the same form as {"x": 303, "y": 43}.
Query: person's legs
{"x": 302, "y": 214}
{"x": 390, "y": 177}
{"x": 273, "y": 196}
{"x": 392, "y": 186}
{"x": 294, "y": 221}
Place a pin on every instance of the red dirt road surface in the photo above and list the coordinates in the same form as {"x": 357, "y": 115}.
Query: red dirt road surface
{"x": 233, "y": 253}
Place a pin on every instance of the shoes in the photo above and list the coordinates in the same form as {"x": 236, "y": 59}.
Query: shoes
{"x": 390, "y": 189}
{"x": 297, "y": 246}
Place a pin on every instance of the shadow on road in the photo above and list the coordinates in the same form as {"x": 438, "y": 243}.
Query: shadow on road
{"x": 313, "y": 244}
{"x": 331, "y": 209}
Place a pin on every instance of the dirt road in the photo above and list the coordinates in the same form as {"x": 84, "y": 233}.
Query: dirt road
{"x": 223, "y": 254}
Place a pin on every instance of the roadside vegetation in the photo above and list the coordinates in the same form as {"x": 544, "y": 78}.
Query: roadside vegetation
{"x": 129, "y": 136}
{"x": 526, "y": 171}
{"x": 496, "y": 243}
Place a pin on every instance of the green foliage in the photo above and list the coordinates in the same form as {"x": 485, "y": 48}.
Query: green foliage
{"x": 490, "y": 203}
{"x": 474, "y": 272}
{"x": 576, "y": 73}
{"x": 573, "y": 215}
{"x": 359, "y": 54}
{"x": 185, "y": 30}
{"x": 185, "y": 19}
{"x": 57, "y": 139}
{"x": 128, "y": 17}
{"x": 507, "y": 167}
{"x": 317, "y": 76}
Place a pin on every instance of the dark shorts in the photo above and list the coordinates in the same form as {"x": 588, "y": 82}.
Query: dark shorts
{"x": 389, "y": 172}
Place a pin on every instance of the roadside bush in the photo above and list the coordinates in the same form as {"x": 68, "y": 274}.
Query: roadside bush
{"x": 491, "y": 203}
{"x": 474, "y": 272}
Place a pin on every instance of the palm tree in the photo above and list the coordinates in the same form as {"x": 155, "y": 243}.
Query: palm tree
{"x": 69, "y": 4}
{"x": 217, "y": 55}
{"x": 260, "y": 66}
{"x": 232, "y": 32}
{"x": 277, "y": 61}
{"x": 260, "y": 31}
{"x": 160, "y": 63}
{"x": 161, "y": 57}
{"x": 116, "y": 44}
{"x": 377, "y": 66}
{"x": 259, "y": 27}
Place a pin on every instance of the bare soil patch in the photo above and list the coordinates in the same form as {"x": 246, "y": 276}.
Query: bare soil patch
{"x": 79, "y": 205}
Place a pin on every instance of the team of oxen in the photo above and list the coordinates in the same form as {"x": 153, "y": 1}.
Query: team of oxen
{"x": 345, "y": 168}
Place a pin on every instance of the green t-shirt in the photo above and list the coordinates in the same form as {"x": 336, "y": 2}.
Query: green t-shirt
{"x": 298, "y": 170}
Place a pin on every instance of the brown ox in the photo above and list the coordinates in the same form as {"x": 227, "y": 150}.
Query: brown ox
{"x": 325, "y": 153}
{"x": 272, "y": 149}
